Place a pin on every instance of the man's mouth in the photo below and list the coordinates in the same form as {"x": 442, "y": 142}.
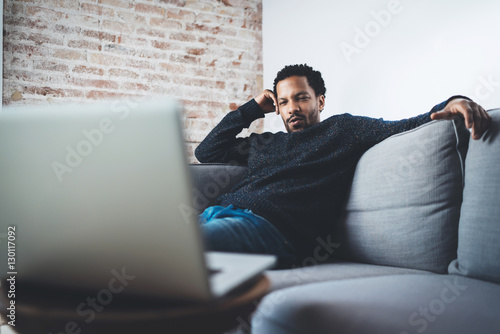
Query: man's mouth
{"x": 295, "y": 120}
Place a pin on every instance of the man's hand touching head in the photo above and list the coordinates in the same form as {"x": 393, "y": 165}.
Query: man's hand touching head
{"x": 267, "y": 102}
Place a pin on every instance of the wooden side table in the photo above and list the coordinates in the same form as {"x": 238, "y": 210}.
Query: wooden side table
{"x": 46, "y": 312}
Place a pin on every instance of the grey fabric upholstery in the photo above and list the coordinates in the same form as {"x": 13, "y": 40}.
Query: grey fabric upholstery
{"x": 479, "y": 229}
{"x": 212, "y": 180}
{"x": 402, "y": 304}
{"x": 405, "y": 199}
{"x": 281, "y": 279}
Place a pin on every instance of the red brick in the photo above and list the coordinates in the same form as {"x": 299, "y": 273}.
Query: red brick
{"x": 67, "y": 29}
{"x": 165, "y": 24}
{"x": 182, "y": 15}
{"x": 173, "y": 68}
{"x": 200, "y": 6}
{"x": 150, "y": 32}
{"x": 198, "y": 82}
{"x": 99, "y": 94}
{"x": 69, "y": 54}
{"x": 50, "y": 66}
{"x": 82, "y": 44}
{"x": 89, "y": 83}
{"x": 97, "y": 10}
{"x": 161, "y": 45}
{"x": 117, "y": 3}
{"x": 136, "y": 86}
{"x": 100, "y": 35}
{"x": 179, "y": 3}
{"x": 88, "y": 70}
{"x": 150, "y": 9}
{"x": 121, "y": 72}
{"x": 19, "y": 62}
{"x": 117, "y": 26}
{"x": 151, "y": 77}
{"x": 197, "y": 51}
{"x": 119, "y": 49}
{"x": 179, "y": 58}
{"x": 25, "y": 22}
{"x": 27, "y": 50}
{"x": 180, "y": 36}
{"x": 142, "y": 64}
{"x": 45, "y": 13}
{"x": 106, "y": 59}
{"x": 55, "y": 92}
{"x": 204, "y": 105}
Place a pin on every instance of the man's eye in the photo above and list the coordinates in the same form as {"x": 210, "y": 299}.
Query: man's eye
{"x": 282, "y": 103}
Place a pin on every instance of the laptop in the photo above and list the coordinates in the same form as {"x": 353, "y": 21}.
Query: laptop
{"x": 99, "y": 196}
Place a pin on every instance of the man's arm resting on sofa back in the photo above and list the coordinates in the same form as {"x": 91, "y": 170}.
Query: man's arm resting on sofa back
{"x": 476, "y": 118}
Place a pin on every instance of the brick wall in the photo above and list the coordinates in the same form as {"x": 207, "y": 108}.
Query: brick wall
{"x": 206, "y": 53}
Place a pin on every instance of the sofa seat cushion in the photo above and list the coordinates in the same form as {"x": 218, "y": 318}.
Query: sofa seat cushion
{"x": 404, "y": 204}
{"x": 331, "y": 272}
{"x": 479, "y": 227}
{"x": 402, "y": 304}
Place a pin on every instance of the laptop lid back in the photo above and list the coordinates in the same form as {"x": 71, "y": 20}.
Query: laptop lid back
{"x": 100, "y": 195}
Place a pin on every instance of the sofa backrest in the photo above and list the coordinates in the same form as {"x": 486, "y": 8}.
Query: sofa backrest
{"x": 212, "y": 180}
{"x": 404, "y": 204}
{"x": 479, "y": 227}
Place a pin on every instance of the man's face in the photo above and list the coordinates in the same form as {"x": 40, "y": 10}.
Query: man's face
{"x": 298, "y": 104}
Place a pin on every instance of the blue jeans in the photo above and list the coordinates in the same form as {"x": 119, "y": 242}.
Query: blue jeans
{"x": 231, "y": 229}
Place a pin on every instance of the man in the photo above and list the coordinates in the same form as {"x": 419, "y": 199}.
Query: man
{"x": 297, "y": 181}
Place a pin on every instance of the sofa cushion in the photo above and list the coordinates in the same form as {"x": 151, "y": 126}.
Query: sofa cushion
{"x": 281, "y": 279}
{"x": 212, "y": 180}
{"x": 479, "y": 228}
{"x": 430, "y": 304}
{"x": 404, "y": 204}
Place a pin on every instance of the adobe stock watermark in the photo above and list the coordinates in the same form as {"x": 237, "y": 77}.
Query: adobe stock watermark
{"x": 425, "y": 315}
{"x": 485, "y": 88}
{"x": 408, "y": 164}
{"x": 95, "y": 304}
{"x": 363, "y": 36}
{"x": 300, "y": 274}
{"x": 92, "y": 138}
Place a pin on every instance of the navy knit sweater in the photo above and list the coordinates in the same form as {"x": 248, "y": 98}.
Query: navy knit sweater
{"x": 298, "y": 181}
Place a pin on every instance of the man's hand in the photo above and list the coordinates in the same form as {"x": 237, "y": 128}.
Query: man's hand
{"x": 267, "y": 102}
{"x": 476, "y": 118}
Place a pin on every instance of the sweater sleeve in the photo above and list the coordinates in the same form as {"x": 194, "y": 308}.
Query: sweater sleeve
{"x": 221, "y": 145}
{"x": 375, "y": 130}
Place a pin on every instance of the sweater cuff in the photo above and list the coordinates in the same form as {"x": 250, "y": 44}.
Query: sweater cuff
{"x": 251, "y": 111}
{"x": 457, "y": 97}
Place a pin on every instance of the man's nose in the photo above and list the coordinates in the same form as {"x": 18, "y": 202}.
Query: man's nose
{"x": 292, "y": 107}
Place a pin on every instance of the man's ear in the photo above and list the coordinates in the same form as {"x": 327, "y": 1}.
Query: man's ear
{"x": 321, "y": 100}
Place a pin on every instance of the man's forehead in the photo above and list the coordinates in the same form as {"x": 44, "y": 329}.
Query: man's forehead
{"x": 301, "y": 92}
{"x": 293, "y": 85}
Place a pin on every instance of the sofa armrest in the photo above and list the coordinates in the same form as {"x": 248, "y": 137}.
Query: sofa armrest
{"x": 212, "y": 180}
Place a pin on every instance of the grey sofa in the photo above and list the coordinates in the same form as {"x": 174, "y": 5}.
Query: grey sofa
{"x": 416, "y": 250}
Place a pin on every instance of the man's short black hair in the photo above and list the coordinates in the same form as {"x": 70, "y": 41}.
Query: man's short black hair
{"x": 314, "y": 78}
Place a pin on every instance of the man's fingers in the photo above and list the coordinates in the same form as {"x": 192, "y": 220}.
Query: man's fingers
{"x": 470, "y": 115}
{"x": 475, "y": 117}
{"x": 442, "y": 114}
{"x": 483, "y": 123}
{"x": 476, "y": 128}
{"x": 270, "y": 95}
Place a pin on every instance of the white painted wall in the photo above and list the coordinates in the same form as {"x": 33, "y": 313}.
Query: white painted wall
{"x": 387, "y": 58}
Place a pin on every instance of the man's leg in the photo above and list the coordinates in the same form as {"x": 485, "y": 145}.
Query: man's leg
{"x": 230, "y": 229}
